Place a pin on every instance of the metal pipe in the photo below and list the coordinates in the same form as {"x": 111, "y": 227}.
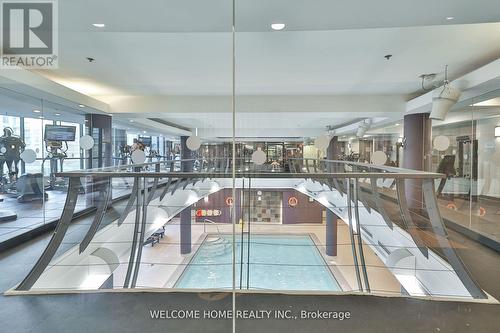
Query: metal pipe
{"x": 102, "y": 206}
{"x": 134, "y": 238}
{"x": 242, "y": 232}
{"x": 248, "y": 237}
{"x": 247, "y": 174}
{"x": 360, "y": 240}
{"x": 351, "y": 235}
{"x": 141, "y": 236}
{"x": 57, "y": 237}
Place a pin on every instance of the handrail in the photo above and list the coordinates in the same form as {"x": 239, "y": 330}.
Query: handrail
{"x": 212, "y": 222}
{"x": 132, "y": 170}
{"x": 365, "y": 165}
{"x": 250, "y": 174}
{"x": 342, "y": 176}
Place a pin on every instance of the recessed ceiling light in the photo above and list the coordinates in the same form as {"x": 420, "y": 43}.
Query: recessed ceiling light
{"x": 144, "y": 132}
{"x": 449, "y": 18}
{"x": 57, "y": 114}
{"x": 81, "y": 105}
{"x": 99, "y": 25}
{"x": 131, "y": 120}
{"x": 278, "y": 26}
{"x": 37, "y": 111}
{"x": 396, "y": 124}
{"x": 41, "y": 117}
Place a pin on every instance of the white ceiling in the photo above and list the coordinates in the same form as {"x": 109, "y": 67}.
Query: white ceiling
{"x": 168, "y": 47}
{"x": 256, "y": 15}
{"x": 299, "y": 62}
{"x": 261, "y": 124}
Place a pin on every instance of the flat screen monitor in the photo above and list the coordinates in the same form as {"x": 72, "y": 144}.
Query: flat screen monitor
{"x": 146, "y": 140}
{"x": 60, "y": 133}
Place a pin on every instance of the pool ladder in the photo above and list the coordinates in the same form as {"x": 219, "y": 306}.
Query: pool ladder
{"x": 217, "y": 245}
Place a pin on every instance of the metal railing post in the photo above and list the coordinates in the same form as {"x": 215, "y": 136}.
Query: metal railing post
{"x": 351, "y": 234}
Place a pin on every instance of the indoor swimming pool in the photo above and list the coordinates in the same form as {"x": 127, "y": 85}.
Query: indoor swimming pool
{"x": 267, "y": 262}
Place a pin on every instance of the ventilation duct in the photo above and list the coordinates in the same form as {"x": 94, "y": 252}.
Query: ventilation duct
{"x": 443, "y": 100}
{"x": 363, "y": 127}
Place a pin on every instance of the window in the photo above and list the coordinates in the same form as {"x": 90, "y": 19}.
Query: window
{"x": 72, "y": 162}
{"x": 33, "y": 138}
{"x": 12, "y": 122}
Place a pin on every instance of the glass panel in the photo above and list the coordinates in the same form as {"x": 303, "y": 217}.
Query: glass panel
{"x": 485, "y": 201}
{"x": 139, "y": 230}
{"x": 21, "y": 184}
{"x": 453, "y": 143}
{"x": 302, "y": 191}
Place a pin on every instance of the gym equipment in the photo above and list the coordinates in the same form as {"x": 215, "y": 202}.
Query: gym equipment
{"x": 60, "y": 133}
{"x": 11, "y": 147}
{"x": 152, "y": 154}
{"x": 56, "y": 144}
{"x": 124, "y": 154}
{"x": 30, "y": 188}
{"x": 123, "y": 158}
{"x": 352, "y": 157}
{"x": 145, "y": 140}
{"x": 447, "y": 167}
{"x": 467, "y": 157}
{"x": 56, "y": 155}
{"x": 7, "y": 215}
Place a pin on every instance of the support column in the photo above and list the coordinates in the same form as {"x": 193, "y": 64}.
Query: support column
{"x": 100, "y": 127}
{"x": 186, "y": 230}
{"x": 333, "y": 151}
{"x": 185, "y": 215}
{"x": 331, "y": 233}
{"x": 185, "y": 155}
{"x": 417, "y": 154}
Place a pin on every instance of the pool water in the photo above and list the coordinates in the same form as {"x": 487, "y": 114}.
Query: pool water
{"x": 277, "y": 262}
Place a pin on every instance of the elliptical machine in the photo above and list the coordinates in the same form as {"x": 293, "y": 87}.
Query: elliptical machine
{"x": 56, "y": 144}
{"x": 124, "y": 154}
{"x": 56, "y": 153}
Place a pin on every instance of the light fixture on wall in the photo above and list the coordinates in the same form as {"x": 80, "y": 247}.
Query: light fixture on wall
{"x": 444, "y": 98}
{"x": 497, "y": 131}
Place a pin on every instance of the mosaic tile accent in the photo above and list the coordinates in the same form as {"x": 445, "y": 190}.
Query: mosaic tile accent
{"x": 266, "y": 210}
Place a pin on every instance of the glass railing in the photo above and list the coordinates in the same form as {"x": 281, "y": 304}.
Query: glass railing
{"x": 312, "y": 226}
